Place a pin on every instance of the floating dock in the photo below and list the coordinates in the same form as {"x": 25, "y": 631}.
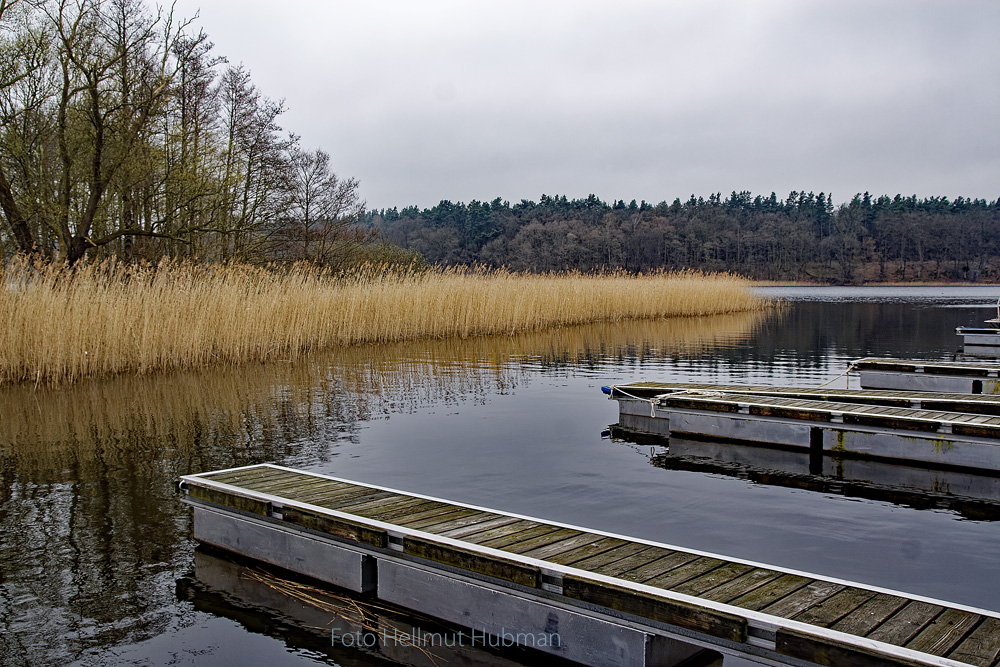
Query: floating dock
{"x": 935, "y": 376}
{"x": 980, "y": 341}
{"x": 947, "y": 430}
{"x": 590, "y": 596}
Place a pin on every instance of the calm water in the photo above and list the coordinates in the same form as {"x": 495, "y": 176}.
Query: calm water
{"x": 97, "y": 565}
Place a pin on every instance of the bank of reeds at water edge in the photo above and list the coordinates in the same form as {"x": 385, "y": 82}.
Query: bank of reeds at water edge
{"x": 59, "y": 325}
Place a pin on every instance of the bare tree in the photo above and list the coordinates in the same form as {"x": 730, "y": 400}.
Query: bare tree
{"x": 322, "y": 221}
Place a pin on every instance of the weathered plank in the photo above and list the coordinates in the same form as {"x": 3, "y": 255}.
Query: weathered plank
{"x": 389, "y": 515}
{"x": 364, "y": 500}
{"x": 679, "y": 575}
{"x": 771, "y": 592}
{"x": 827, "y": 651}
{"x": 715, "y": 577}
{"x": 982, "y": 646}
{"x": 663, "y": 610}
{"x": 287, "y": 484}
{"x": 598, "y": 560}
{"x": 431, "y": 521}
{"x": 514, "y": 537}
{"x": 945, "y": 632}
{"x": 500, "y": 531}
{"x": 570, "y": 543}
{"x": 362, "y": 506}
{"x": 229, "y": 499}
{"x": 812, "y": 593}
{"x": 475, "y": 524}
{"x": 443, "y": 513}
{"x": 589, "y": 550}
{"x": 834, "y": 608}
{"x": 631, "y": 562}
{"x": 532, "y": 545}
{"x": 742, "y": 585}
{"x": 870, "y": 615}
{"x": 326, "y": 497}
{"x": 493, "y": 566}
{"x": 669, "y": 561}
{"x": 335, "y": 526}
{"x": 904, "y": 625}
{"x": 249, "y": 475}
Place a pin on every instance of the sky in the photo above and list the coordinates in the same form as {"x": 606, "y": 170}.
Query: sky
{"x": 631, "y": 99}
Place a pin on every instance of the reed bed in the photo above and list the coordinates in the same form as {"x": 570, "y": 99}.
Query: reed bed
{"x": 59, "y": 325}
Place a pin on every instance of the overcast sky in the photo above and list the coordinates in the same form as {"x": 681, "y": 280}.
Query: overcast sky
{"x": 428, "y": 100}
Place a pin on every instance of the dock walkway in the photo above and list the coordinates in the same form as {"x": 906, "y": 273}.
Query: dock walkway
{"x": 480, "y": 567}
{"x": 936, "y": 429}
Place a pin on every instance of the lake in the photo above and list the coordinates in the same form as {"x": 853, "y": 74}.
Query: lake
{"x": 97, "y": 564}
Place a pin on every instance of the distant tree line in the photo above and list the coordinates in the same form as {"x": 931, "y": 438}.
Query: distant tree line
{"x": 123, "y": 134}
{"x": 802, "y": 237}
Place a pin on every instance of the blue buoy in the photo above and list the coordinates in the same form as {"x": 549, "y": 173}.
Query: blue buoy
{"x": 607, "y": 390}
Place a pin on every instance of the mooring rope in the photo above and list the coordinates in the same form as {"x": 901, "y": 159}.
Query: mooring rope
{"x": 850, "y": 367}
{"x": 654, "y": 400}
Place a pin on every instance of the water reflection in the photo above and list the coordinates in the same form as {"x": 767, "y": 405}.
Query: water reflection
{"x": 92, "y": 534}
{"x": 969, "y": 495}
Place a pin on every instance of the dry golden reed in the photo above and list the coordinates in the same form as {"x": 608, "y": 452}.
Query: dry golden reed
{"x": 59, "y": 326}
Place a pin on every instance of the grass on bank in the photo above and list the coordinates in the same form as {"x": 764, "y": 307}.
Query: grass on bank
{"x": 59, "y": 326}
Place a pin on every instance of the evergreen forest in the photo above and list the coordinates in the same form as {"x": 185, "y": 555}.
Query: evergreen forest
{"x": 803, "y": 237}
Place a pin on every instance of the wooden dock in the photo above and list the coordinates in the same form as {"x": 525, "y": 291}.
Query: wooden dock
{"x": 949, "y": 430}
{"x": 586, "y": 595}
{"x": 935, "y": 376}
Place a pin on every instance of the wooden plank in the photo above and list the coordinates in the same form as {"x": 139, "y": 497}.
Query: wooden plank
{"x": 660, "y": 566}
{"x": 325, "y": 496}
{"x": 345, "y": 504}
{"x": 237, "y": 501}
{"x": 531, "y": 546}
{"x": 904, "y": 625}
{"x": 442, "y": 513}
{"x": 742, "y": 585}
{"x": 607, "y": 558}
{"x": 771, "y": 592}
{"x": 945, "y": 632}
{"x": 492, "y": 566}
{"x": 870, "y": 615}
{"x": 539, "y": 541}
{"x": 550, "y": 551}
{"x": 679, "y": 575}
{"x": 390, "y": 515}
{"x": 390, "y": 510}
{"x": 836, "y": 607}
{"x": 334, "y": 500}
{"x": 237, "y": 477}
{"x": 387, "y": 501}
{"x": 280, "y": 486}
{"x": 475, "y": 525}
{"x": 982, "y": 646}
{"x": 656, "y": 608}
{"x": 812, "y": 593}
{"x": 584, "y": 552}
{"x": 500, "y": 531}
{"x": 516, "y": 536}
{"x": 826, "y": 651}
{"x": 617, "y": 569}
{"x": 335, "y": 526}
{"x": 713, "y": 578}
{"x": 429, "y": 522}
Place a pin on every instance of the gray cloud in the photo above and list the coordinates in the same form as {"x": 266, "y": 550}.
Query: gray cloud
{"x": 462, "y": 100}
